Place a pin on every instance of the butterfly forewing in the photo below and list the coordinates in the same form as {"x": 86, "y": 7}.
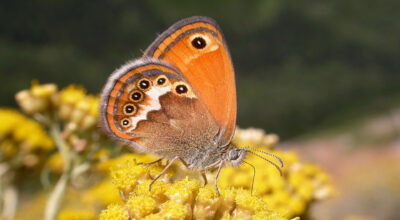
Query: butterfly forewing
{"x": 196, "y": 47}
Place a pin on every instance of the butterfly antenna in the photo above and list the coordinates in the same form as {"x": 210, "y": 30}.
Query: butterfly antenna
{"x": 274, "y": 164}
{"x": 268, "y": 154}
{"x": 254, "y": 175}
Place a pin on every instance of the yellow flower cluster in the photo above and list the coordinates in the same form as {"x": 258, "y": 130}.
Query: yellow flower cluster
{"x": 23, "y": 136}
{"x": 71, "y": 104}
{"x": 79, "y": 109}
{"x": 38, "y": 99}
{"x": 180, "y": 199}
{"x": 290, "y": 194}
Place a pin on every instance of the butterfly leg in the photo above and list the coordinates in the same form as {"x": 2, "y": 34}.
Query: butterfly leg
{"x": 216, "y": 176}
{"x": 152, "y": 162}
{"x": 203, "y": 174}
{"x": 162, "y": 173}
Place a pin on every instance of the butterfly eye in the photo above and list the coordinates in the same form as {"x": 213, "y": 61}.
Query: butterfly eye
{"x": 181, "y": 89}
{"x": 129, "y": 109}
{"x": 136, "y": 96}
{"x": 144, "y": 84}
{"x": 125, "y": 122}
{"x": 199, "y": 43}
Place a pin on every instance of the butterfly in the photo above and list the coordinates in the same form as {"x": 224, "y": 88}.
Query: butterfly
{"x": 178, "y": 101}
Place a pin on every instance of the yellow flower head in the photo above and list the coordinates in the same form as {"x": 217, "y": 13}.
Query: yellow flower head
{"x": 114, "y": 212}
{"x": 79, "y": 109}
{"x": 180, "y": 199}
{"x": 72, "y": 94}
{"x": 140, "y": 206}
{"x": 207, "y": 203}
{"x": 173, "y": 210}
{"x": 183, "y": 190}
{"x": 21, "y": 134}
{"x": 38, "y": 99}
{"x": 44, "y": 90}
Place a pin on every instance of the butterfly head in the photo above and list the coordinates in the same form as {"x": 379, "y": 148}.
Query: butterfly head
{"x": 235, "y": 155}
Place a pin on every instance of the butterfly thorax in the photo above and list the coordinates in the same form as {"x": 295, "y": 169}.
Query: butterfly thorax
{"x": 210, "y": 158}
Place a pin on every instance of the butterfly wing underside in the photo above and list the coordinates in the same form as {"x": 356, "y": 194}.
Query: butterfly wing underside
{"x": 197, "y": 48}
{"x": 150, "y": 106}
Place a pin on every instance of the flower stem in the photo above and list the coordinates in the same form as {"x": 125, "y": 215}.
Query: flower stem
{"x": 11, "y": 202}
{"x": 54, "y": 202}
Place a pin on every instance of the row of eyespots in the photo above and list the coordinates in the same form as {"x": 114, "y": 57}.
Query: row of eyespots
{"x": 137, "y": 95}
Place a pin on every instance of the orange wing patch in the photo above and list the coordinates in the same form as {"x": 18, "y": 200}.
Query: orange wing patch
{"x": 197, "y": 48}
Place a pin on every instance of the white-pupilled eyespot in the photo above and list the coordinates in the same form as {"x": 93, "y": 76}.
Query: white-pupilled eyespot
{"x": 161, "y": 81}
{"x": 136, "y": 95}
{"x": 144, "y": 84}
{"x": 199, "y": 41}
{"x": 129, "y": 109}
{"x": 181, "y": 88}
{"x": 125, "y": 122}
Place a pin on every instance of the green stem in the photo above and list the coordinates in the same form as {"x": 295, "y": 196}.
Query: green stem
{"x": 54, "y": 202}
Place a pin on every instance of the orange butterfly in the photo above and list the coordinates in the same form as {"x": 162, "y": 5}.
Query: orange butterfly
{"x": 179, "y": 100}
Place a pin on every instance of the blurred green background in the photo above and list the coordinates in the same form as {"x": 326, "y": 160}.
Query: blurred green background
{"x": 300, "y": 65}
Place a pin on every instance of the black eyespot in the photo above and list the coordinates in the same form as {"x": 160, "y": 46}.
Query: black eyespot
{"x": 136, "y": 96}
{"x": 181, "y": 89}
{"x": 161, "y": 81}
{"x": 144, "y": 84}
{"x": 199, "y": 43}
{"x": 129, "y": 109}
{"x": 125, "y": 122}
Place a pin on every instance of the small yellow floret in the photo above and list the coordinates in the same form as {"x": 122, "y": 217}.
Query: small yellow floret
{"x": 172, "y": 210}
{"x": 140, "y": 206}
{"x": 157, "y": 192}
{"x": 207, "y": 203}
{"x": 183, "y": 190}
{"x": 268, "y": 215}
{"x": 153, "y": 217}
{"x": 245, "y": 200}
{"x": 114, "y": 212}
{"x": 126, "y": 176}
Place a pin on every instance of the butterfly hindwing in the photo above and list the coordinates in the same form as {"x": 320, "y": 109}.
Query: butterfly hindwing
{"x": 149, "y": 105}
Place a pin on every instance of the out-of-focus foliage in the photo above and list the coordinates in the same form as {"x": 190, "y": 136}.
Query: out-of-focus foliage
{"x": 298, "y": 64}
